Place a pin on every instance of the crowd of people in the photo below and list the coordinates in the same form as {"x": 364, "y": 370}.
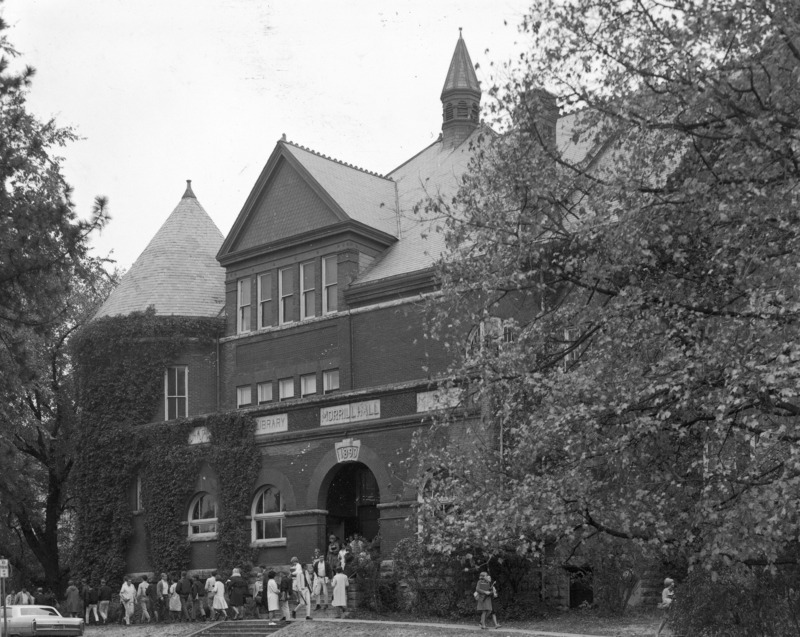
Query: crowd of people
{"x": 317, "y": 584}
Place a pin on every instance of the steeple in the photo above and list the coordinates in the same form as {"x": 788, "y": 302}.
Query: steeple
{"x": 461, "y": 98}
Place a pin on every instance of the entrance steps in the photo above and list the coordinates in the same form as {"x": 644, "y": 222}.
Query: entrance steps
{"x": 243, "y": 628}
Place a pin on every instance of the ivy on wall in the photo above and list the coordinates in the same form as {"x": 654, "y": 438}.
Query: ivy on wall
{"x": 120, "y": 364}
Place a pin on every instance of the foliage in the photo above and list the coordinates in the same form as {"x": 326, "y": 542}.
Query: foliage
{"x": 442, "y": 585}
{"x": 644, "y": 260}
{"x": 48, "y": 287}
{"x": 120, "y": 364}
{"x": 738, "y": 602}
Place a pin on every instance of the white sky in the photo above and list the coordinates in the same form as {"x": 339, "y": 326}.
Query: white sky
{"x": 161, "y": 91}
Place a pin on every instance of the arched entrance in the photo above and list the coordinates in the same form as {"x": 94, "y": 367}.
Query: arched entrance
{"x": 352, "y": 502}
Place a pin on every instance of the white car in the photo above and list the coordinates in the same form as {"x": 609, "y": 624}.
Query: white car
{"x": 31, "y": 620}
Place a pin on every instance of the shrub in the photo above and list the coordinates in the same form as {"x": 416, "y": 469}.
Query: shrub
{"x": 738, "y": 601}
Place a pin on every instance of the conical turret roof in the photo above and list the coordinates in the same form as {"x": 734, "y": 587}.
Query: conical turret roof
{"x": 178, "y": 272}
{"x": 461, "y": 74}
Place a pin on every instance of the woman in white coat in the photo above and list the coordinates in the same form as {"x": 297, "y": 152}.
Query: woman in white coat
{"x": 273, "y": 597}
{"x": 220, "y": 606}
{"x": 339, "y": 585}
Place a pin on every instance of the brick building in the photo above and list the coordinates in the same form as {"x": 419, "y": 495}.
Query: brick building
{"x": 320, "y": 282}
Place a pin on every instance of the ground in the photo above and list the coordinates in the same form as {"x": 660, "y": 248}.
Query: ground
{"x": 586, "y": 623}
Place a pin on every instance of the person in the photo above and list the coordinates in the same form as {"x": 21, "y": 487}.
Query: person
{"x": 483, "y": 595}
{"x": 127, "y": 595}
{"x": 666, "y": 602}
{"x": 285, "y": 588}
{"x": 332, "y": 557}
{"x": 72, "y": 600}
{"x": 198, "y": 599}
{"x": 272, "y": 594}
{"x": 91, "y": 597}
{"x": 174, "y": 601}
{"x": 339, "y": 587}
{"x": 23, "y": 598}
{"x": 143, "y": 599}
{"x": 301, "y": 587}
{"x": 10, "y": 597}
{"x": 153, "y": 601}
{"x": 494, "y": 600}
{"x": 220, "y": 605}
{"x": 103, "y": 600}
{"x": 39, "y": 598}
{"x": 322, "y": 576}
{"x": 162, "y": 594}
{"x": 237, "y": 589}
{"x": 211, "y": 581}
{"x": 184, "y": 590}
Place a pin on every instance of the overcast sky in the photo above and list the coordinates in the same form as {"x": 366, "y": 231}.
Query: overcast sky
{"x": 161, "y": 91}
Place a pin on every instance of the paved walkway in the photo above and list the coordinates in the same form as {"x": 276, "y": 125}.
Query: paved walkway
{"x": 463, "y": 627}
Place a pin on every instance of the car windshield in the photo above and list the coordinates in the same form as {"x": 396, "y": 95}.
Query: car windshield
{"x": 38, "y": 610}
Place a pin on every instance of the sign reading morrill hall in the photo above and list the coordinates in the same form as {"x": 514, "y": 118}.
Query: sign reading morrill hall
{"x": 352, "y": 412}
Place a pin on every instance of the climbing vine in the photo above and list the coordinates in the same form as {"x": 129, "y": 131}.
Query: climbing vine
{"x": 120, "y": 364}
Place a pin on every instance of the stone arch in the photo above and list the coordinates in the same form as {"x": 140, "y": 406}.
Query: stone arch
{"x": 325, "y": 471}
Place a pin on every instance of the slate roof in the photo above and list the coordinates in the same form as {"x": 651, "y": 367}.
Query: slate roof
{"x": 437, "y": 171}
{"x": 461, "y": 74}
{"x": 362, "y": 195}
{"x": 177, "y": 273}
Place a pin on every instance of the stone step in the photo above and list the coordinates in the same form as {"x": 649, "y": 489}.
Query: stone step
{"x": 244, "y": 628}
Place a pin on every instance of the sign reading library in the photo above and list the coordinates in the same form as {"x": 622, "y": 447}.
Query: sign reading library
{"x": 353, "y": 412}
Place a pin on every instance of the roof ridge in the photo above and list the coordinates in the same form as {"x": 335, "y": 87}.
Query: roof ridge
{"x": 333, "y": 159}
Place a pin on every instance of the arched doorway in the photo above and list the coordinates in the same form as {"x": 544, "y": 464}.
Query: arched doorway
{"x": 352, "y": 502}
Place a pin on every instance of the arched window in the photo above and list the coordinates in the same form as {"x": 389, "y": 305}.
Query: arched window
{"x": 203, "y": 516}
{"x": 268, "y": 516}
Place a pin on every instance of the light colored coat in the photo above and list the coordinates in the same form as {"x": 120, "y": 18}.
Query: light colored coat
{"x": 340, "y": 584}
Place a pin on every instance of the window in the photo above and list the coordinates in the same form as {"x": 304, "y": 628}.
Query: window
{"x": 175, "y": 392}
{"x": 243, "y": 304}
{"x": 286, "y": 388}
{"x": 243, "y": 397}
{"x": 448, "y": 112}
{"x": 308, "y": 384}
{"x": 307, "y": 309}
{"x": 137, "y": 494}
{"x": 462, "y": 110}
{"x": 330, "y": 277}
{"x": 330, "y": 380}
{"x": 265, "y": 318}
{"x": 286, "y": 294}
{"x": 268, "y": 515}
{"x": 203, "y": 516}
{"x": 264, "y": 392}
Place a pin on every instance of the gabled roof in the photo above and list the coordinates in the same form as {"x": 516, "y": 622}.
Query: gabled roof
{"x": 461, "y": 74}
{"x": 177, "y": 273}
{"x": 324, "y": 192}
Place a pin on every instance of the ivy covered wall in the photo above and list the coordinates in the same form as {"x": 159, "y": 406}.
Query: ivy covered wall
{"x": 120, "y": 363}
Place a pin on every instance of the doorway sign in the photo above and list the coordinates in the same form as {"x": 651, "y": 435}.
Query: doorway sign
{"x": 347, "y": 450}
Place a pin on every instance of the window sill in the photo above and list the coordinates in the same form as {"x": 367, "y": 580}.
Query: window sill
{"x": 203, "y": 537}
{"x": 266, "y": 543}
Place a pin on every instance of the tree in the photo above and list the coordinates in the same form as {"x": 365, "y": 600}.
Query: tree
{"x": 634, "y": 283}
{"x": 48, "y": 284}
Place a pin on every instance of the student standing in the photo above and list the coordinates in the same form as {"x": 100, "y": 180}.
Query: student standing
{"x": 339, "y": 585}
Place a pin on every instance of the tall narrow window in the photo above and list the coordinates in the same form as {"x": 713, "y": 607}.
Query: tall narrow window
{"x": 286, "y": 293}
{"x": 308, "y": 384}
{"x": 265, "y": 317}
{"x": 307, "y": 309}
{"x": 243, "y": 397}
{"x": 267, "y": 515}
{"x": 265, "y": 392}
{"x": 330, "y": 277}
{"x": 243, "y": 303}
{"x": 176, "y": 392}
{"x": 203, "y": 516}
{"x": 286, "y": 388}
{"x": 330, "y": 380}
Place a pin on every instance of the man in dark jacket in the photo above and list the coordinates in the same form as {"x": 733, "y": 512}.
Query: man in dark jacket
{"x": 184, "y": 590}
{"x": 198, "y": 598}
